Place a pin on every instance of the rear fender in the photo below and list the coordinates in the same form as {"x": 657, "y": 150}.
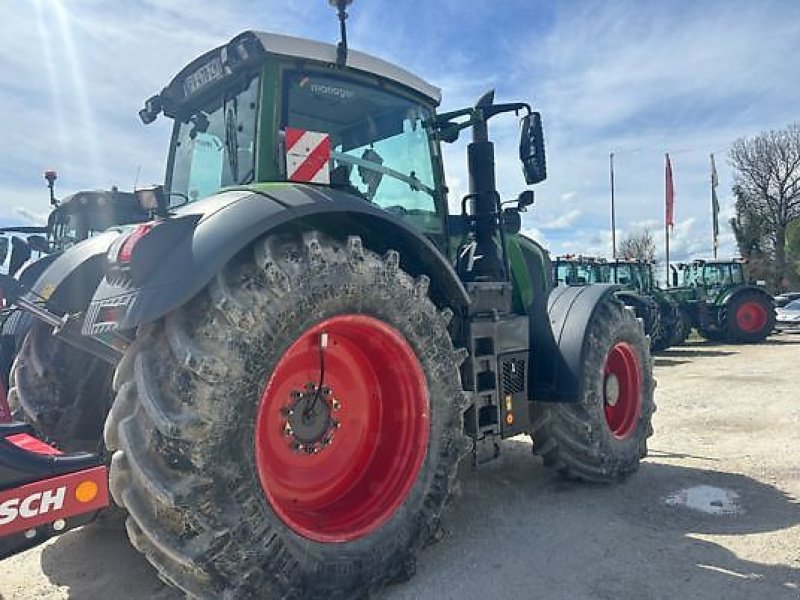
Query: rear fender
{"x": 730, "y": 295}
{"x": 169, "y": 267}
{"x": 68, "y": 282}
{"x": 559, "y": 342}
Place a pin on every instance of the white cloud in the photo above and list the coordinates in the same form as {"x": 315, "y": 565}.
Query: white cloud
{"x": 564, "y": 220}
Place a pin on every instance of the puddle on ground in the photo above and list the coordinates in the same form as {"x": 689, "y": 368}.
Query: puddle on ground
{"x": 707, "y": 499}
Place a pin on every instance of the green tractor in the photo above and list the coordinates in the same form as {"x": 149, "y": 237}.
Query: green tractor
{"x": 303, "y": 359}
{"x": 572, "y": 269}
{"x": 638, "y": 278}
{"x": 581, "y": 270}
{"x": 716, "y": 299}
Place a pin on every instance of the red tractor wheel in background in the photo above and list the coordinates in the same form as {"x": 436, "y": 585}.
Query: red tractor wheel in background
{"x": 602, "y": 436}
{"x": 294, "y": 429}
{"x": 749, "y": 316}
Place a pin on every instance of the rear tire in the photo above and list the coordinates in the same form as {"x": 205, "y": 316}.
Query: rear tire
{"x": 749, "y": 317}
{"x": 195, "y": 413}
{"x": 667, "y": 321}
{"x": 602, "y": 437}
{"x": 683, "y": 326}
{"x": 62, "y": 392}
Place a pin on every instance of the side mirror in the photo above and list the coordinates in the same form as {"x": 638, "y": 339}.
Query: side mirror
{"x": 38, "y": 243}
{"x": 531, "y": 149}
{"x": 525, "y": 199}
{"x": 153, "y": 199}
{"x": 152, "y": 108}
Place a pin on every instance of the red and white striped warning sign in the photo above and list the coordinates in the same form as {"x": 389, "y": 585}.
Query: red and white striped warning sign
{"x": 308, "y": 155}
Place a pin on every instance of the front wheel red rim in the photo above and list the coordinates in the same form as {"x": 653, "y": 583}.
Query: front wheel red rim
{"x": 336, "y": 461}
{"x": 751, "y": 317}
{"x": 622, "y": 390}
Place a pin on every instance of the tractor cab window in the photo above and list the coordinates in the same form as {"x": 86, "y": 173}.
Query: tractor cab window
{"x": 722, "y": 275}
{"x": 379, "y": 148}
{"x": 215, "y": 145}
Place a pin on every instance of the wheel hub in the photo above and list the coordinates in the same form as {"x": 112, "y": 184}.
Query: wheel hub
{"x": 611, "y": 389}
{"x": 308, "y": 419}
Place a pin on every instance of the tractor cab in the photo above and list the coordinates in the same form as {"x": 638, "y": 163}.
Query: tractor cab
{"x": 632, "y": 274}
{"x": 580, "y": 270}
{"x": 713, "y": 274}
{"x": 269, "y": 108}
{"x": 85, "y": 214}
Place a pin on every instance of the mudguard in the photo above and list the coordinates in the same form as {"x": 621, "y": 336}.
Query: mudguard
{"x": 68, "y": 282}
{"x": 178, "y": 257}
{"x": 728, "y": 296}
{"x": 558, "y": 341}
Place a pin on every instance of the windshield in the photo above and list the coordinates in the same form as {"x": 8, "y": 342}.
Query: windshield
{"x": 379, "y": 148}
{"x": 215, "y": 146}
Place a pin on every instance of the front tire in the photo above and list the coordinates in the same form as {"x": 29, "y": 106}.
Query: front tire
{"x": 603, "y": 436}
{"x": 241, "y": 476}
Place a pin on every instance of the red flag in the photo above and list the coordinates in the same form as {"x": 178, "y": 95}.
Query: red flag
{"x": 669, "y": 193}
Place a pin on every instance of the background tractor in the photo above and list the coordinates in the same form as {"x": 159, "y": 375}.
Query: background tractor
{"x": 581, "y": 270}
{"x": 717, "y": 300}
{"x": 637, "y": 276}
{"x": 305, "y": 360}
{"x": 33, "y": 251}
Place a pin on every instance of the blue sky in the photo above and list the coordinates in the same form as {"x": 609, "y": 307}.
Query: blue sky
{"x": 636, "y": 78}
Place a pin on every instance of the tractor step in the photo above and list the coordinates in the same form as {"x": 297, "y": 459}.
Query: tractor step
{"x": 497, "y": 371}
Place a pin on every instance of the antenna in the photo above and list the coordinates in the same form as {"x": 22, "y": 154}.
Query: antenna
{"x": 341, "y": 48}
{"x": 136, "y": 179}
{"x": 50, "y": 176}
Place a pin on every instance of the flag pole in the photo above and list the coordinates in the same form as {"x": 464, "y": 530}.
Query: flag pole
{"x": 668, "y": 206}
{"x": 714, "y": 207}
{"x": 613, "y": 217}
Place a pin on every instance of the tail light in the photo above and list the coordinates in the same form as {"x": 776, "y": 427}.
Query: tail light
{"x": 129, "y": 243}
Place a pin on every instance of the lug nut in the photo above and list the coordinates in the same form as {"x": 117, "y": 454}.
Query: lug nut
{"x": 335, "y": 404}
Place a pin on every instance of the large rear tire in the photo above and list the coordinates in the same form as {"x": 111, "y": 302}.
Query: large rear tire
{"x": 749, "y": 317}
{"x": 241, "y": 476}
{"x": 63, "y": 392}
{"x": 603, "y": 436}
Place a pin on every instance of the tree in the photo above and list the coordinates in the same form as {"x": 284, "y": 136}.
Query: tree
{"x": 767, "y": 186}
{"x": 640, "y": 246}
{"x": 752, "y": 237}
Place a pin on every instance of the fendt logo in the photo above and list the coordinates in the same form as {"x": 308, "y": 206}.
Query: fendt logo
{"x": 33, "y": 505}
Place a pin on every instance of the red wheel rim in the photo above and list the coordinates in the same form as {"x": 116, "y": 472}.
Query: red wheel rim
{"x": 344, "y": 483}
{"x": 751, "y": 317}
{"x": 622, "y": 390}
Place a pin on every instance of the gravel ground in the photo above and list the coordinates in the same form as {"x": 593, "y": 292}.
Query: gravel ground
{"x": 727, "y": 428}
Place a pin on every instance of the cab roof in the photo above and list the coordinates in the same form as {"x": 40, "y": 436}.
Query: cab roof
{"x": 285, "y": 45}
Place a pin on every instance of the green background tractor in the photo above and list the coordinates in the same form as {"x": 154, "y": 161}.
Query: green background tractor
{"x": 635, "y": 282}
{"x": 717, "y": 300}
{"x": 637, "y": 276}
{"x": 307, "y": 355}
